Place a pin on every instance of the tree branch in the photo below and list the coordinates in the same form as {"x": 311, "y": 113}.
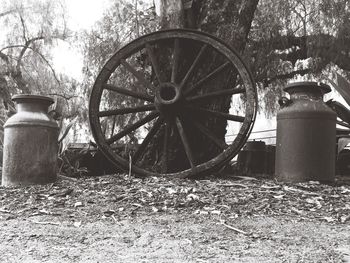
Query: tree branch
{"x": 35, "y": 51}
{"x": 327, "y": 48}
{"x": 24, "y": 29}
{"x": 18, "y": 69}
{"x": 66, "y": 97}
{"x": 289, "y": 75}
{"x": 24, "y": 49}
{"x": 246, "y": 15}
{"x": 280, "y": 42}
{"x": 7, "y": 12}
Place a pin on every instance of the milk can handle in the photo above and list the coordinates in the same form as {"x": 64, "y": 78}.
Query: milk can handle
{"x": 284, "y": 102}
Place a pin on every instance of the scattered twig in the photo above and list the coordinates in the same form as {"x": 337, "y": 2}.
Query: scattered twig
{"x": 245, "y": 177}
{"x": 270, "y": 187}
{"x": 65, "y": 193}
{"x": 233, "y": 185}
{"x": 293, "y": 209}
{"x": 234, "y": 229}
{"x": 130, "y": 164}
{"x": 45, "y": 223}
{"x": 291, "y": 189}
{"x": 5, "y": 211}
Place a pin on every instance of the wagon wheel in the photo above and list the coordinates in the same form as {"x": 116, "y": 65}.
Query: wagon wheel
{"x": 157, "y": 87}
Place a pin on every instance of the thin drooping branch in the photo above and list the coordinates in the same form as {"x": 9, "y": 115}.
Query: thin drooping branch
{"x": 24, "y": 48}
{"x": 24, "y": 28}
{"x": 66, "y": 97}
{"x": 49, "y": 65}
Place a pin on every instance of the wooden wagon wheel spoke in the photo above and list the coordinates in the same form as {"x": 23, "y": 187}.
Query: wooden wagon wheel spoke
{"x": 208, "y": 77}
{"x": 165, "y": 148}
{"x": 141, "y": 149}
{"x": 193, "y": 66}
{"x": 175, "y": 61}
{"x": 122, "y": 111}
{"x": 113, "y": 124}
{"x": 132, "y": 127}
{"x": 137, "y": 74}
{"x": 344, "y": 124}
{"x": 127, "y": 92}
{"x": 217, "y": 94}
{"x": 179, "y": 85}
{"x": 218, "y": 142}
{"x": 226, "y": 116}
{"x": 185, "y": 142}
{"x": 154, "y": 62}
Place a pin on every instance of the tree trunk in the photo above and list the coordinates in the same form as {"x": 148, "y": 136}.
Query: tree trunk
{"x": 171, "y": 14}
{"x": 228, "y": 20}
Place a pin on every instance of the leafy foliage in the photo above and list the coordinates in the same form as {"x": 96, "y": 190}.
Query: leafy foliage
{"x": 298, "y": 39}
{"x": 122, "y": 22}
{"x": 30, "y": 29}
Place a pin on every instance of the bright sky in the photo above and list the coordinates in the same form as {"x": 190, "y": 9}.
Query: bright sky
{"x": 82, "y": 14}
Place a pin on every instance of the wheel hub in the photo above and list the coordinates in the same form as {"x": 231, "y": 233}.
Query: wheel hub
{"x": 167, "y": 98}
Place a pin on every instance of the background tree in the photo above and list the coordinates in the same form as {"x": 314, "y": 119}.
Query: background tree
{"x": 29, "y": 31}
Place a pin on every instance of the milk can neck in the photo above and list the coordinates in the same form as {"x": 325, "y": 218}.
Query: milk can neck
{"x": 33, "y": 107}
{"x": 305, "y": 93}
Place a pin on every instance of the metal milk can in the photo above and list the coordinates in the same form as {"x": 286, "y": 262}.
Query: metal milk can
{"x": 30, "y": 143}
{"x": 306, "y": 135}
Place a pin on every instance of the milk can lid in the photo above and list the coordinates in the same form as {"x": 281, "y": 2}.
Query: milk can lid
{"x": 32, "y": 97}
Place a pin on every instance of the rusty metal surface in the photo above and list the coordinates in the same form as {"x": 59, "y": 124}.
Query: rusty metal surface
{"x": 172, "y": 100}
{"x": 30, "y": 143}
{"x": 306, "y": 135}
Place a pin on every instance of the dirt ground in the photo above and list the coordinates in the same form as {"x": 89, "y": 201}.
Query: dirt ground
{"x": 118, "y": 218}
